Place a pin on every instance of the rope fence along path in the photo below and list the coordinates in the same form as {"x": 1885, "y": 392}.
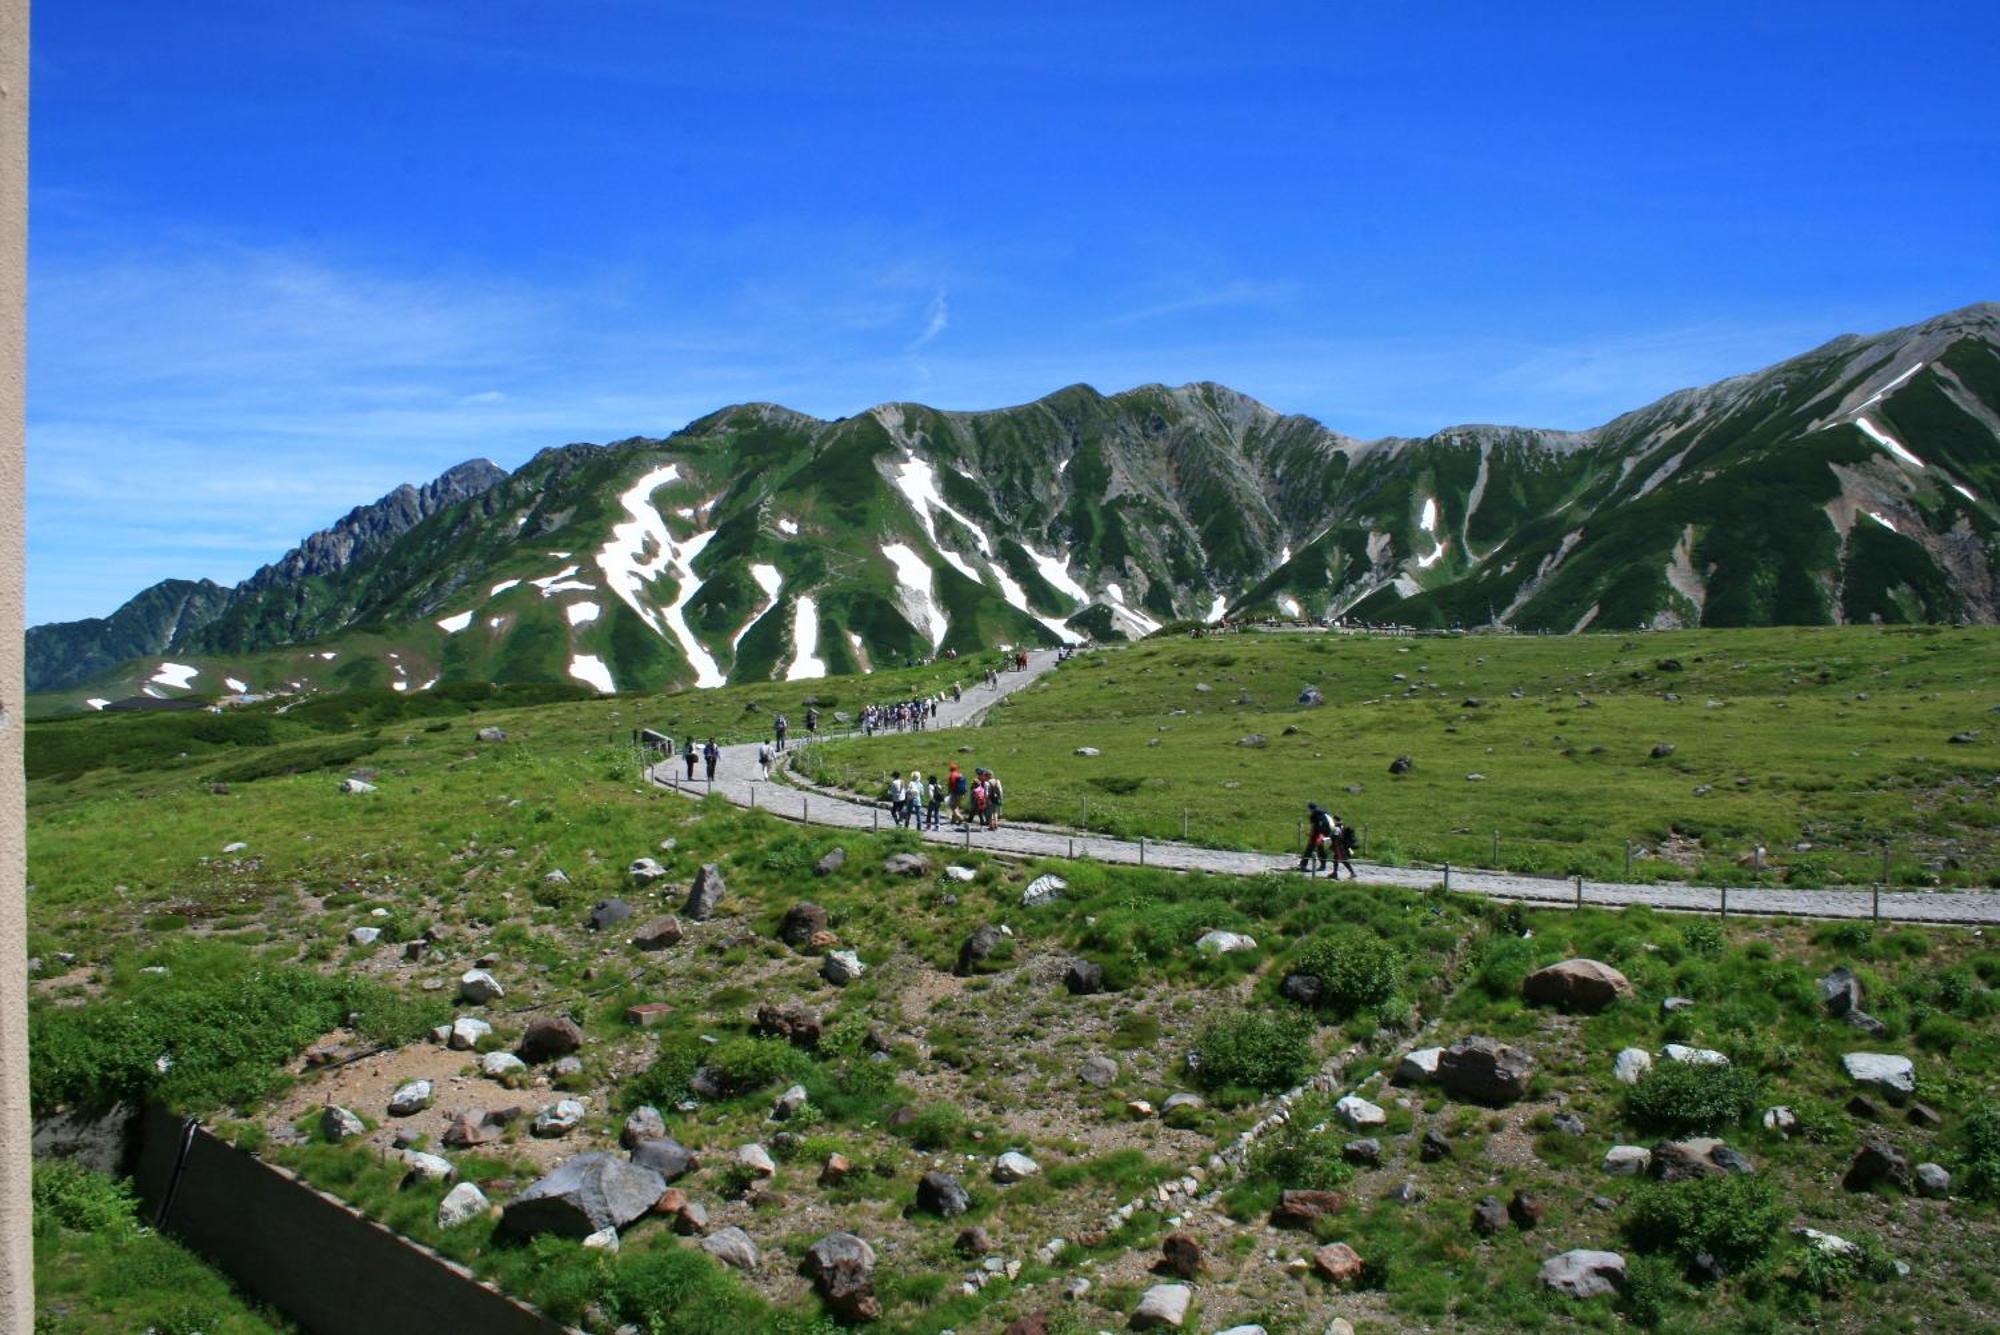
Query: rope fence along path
{"x": 739, "y": 781}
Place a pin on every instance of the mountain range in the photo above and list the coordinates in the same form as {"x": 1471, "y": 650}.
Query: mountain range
{"x": 1853, "y": 483}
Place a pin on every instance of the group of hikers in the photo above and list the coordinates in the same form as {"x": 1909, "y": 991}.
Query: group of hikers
{"x": 1327, "y": 836}
{"x": 918, "y": 803}
{"x": 904, "y": 715}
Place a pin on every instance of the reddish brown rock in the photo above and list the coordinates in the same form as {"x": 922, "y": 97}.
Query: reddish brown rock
{"x": 1338, "y": 1262}
{"x": 1298, "y": 1209}
{"x": 660, "y": 933}
{"x": 1181, "y": 1254}
{"x": 1585, "y": 985}
{"x": 549, "y": 1037}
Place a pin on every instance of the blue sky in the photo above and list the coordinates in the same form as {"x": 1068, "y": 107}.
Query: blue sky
{"x": 284, "y": 257}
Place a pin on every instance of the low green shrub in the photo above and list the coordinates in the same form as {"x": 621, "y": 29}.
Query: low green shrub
{"x": 1681, "y": 1098}
{"x": 745, "y": 1065}
{"x": 1305, "y": 1154}
{"x": 1734, "y": 1218}
{"x": 1979, "y": 1153}
{"x": 1355, "y": 968}
{"x": 68, "y": 1195}
{"x": 938, "y": 1127}
{"x": 1254, "y": 1050}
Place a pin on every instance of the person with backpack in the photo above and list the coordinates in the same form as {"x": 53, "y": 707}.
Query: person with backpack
{"x": 956, "y": 793}
{"x": 778, "y": 726}
{"x": 812, "y": 720}
{"x": 690, "y": 755}
{"x": 993, "y": 796}
{"x": 711, "y": 754}
{"x": 1343, "y": 850}
{"x": 896, "y": 797}
{"x": 764, "y": 759}
{"x": 934, "y": 800}
{"x": 1319, "y": 837}
{"x": 977, "y": 813}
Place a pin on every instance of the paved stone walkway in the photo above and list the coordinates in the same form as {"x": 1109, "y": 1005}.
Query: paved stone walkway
{"x": 737, "y": 779}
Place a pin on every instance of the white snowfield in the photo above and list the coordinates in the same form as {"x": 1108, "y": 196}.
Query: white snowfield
{"x": 590, "y": 670}
{"x": 579, "y": 613}
{"x": 1289, "y": 605}
{"x": 502, "y": 587}
{"x": 770, "y": 581}
{"x": 917, "y": 599}
{"x": 805, "y": 641}
{"x": 1057, "y": 574}
{"x": 399, "y": 686}
{"x": 234, "y": 685}
{"x": 1965, "y": 492}
{"x": 177, "y": 675}
{"x": 97, "y": 702}
{"x": 1017, "y": 597}
{"x": 1888, "y": 442}
{"x": 1882, "y": 520}
{"x": 1428, "y": 521}
{"x": 455, "y": 623}
{"x": 1217, "y": 608}
{"x": 789, "y": 527}
{"x": 627, "y": 570}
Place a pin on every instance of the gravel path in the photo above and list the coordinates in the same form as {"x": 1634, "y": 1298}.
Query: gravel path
{"x": 737, "y": 779}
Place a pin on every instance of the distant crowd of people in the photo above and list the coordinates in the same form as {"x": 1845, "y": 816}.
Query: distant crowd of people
{"x": 919, "y": 803}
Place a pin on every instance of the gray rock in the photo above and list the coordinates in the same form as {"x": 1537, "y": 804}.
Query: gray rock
{"x": 1486, "y": 1069}
{"x": 1301, "y": 989}
{"x": 556, "y": 877}
{"x": 1630, "y": 1064}
{"x": 977, "y": 949}
{"x": 642, "y": 1124}
{"x": 1175, "y": 1102}
{"x": 1674, "y": 1005}
{"x": 645, "y": 871}
{"x": 830, "y": 862}
{"x": 1083, "y": 977}
{"x": 1877, "y": 1161}
{"x": 1044, "y": 889}
{"x": 1489, "y": 1216}
{"x": 608, "y": 913}
{"x": 1163, "y": 1305}
{"x": 1099, "y": 1071}
{"x": 364, "y": 936}
{"x": 461, "y": 1205}
{"x": 1677, "y": 1052}
{"x": 1661, "y": 750}
{"x": 665, "y": 1156}
{"x": 788, "y": 1104}
{"x": 356, "y": 786}
{"x": 757, "y": 1160}
{"x": 906, "y": 864}
{"x": 705, "y": 894}
{"x": 842, "y": 1267}
{"x": 428, "y": 1167}
{"x": 1013, "y": 1166}
{"x": 1627, "y": 1160}
{"x": 467, "y": 1031}
{"x": 1840, "y": 991}
{"x": 801, "y": 921}
{"x": 659, "y": 933}
{"x": 1310, "y": 697}
{"x": 1254, "y": 741}
{"x": 942, "y": 1195}
{"x": 1583, "y": 1273}
{"x": 1580, "y": 984}
{"x": 1419, "y": 1066}
{"x": 589, "y": 1192}
{"x": 732, "y": 1247}
{"x": 500, "y": 1065}
{"x": 1088, "y": 751}
{"x": 1568, "y": 1124}
{"x": 1224, "y": 943}
{"x": 492, "y": 734}
{"x": 1697, "y": 1156}
{"x": 410, "y": 1099}
{"x": 479, "y": 987}
{"x": 1359, "y": 1113}
{"x": 1893, "y": 1075}
{"x": 559, "y": 1118}
{"x": 1364, "y": 1153}
{"x": 1433, "y": 1146}
{"x": 1933, "y": 1182}
{"x": 1781, "y": 1120}
{"x": 841, "y": 967}
{"x": 1402, "y": 765}
{"x": 548, "y": 1037}
{"x": 338, "y": 1124}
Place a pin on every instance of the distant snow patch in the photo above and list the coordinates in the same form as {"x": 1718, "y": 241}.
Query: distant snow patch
{"x": 502, "y": 587}
{"x": 917, "y": 599}
{"x": 1057, "y": 574}
{"x": 685, "y": 512}
{"x": 427, "y": 685}
{"x": 628, "y": 570}
{"x": 581, "y": 612}
{"x": 1284, "y": 553}
{"x": 1017, "y": 597}
{"x": 1965, "y": 492}
{"x": 399, "y": 686}
{"x": 177, "y": 675}
{"x": 1888, "y": 442}
{"x": 770, "y": 581}
{"x": 1882, "y": 519}
{"x": 590, "y": 670}
{"x": 789, "y": 527}
{"x": 1879, "y": 394}
{"x": 560, "y": 556}
{"x": 234, "y": 685}
{"x": 805, "y": 641}
{"x": 329, "y": 655}
{"x": 1138, "y": 621}
{"x": 96, "y": 703}
{"x": 496, "y": 622}
{"x": 1289, "y": 605}
{"x": 1217, "y": 608}
{"x": 1428, "y": 521}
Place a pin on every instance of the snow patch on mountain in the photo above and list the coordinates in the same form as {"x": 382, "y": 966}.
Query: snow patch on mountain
{"x": 1217, "y": 608}
{"x": 234, "y": 685}
{"x": 579, "y": 613}
{"x": 177, "y": 675}
{"x": 1428, "y": 522}
{"x": 1887, "y": 442}
{"x": 590, "y": 670}
{"x": 770, "y": 581}
{"x": 917, "y": 599}
{"x": 502, "y": 587}
{"x": 1965, "y": 492}
{"x": 628, "y": 569}
{"x": 1288, "y": 605}
{"x": 1057, "y": 574}
{"x": 805, "y": 641}
{"x": 789, "y": 527}
{"x": 97, "y": 702}
{"x": 1882, "y": 519}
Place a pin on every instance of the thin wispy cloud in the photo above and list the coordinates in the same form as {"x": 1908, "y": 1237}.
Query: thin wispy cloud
{"x": 936, "y": 319}
{"x": 1234, "y": 295}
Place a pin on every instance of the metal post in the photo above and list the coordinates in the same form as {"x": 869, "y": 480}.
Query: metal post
{"x": 1496, "y": 849}
{"x": 1447, "y": 876}
{"x": 1072, "y": 848}
{"x": 1142, "y": 850}
{"x": 875, "y": 819}
{"x": 1876, "y": 915}
{"x": 1725, "y": 902}
{"x": 1628, "y": 859}
{"x": 1579, "y": 892}
{"x": 753, "y": 797}
{"x": 805, "y": 808}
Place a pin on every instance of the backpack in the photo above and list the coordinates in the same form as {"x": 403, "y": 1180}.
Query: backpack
{"x": 1347, "y": 839}
{"x": 1322, "y": 823}
{"x": 958, "y": 786}
{"x": 993, "y": 790}
{"x": 979, "y": 798}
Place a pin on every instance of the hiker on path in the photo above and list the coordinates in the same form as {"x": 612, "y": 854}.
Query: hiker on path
{"x": 976, "y": 815}
{"x": 954, "y": 791}
{"x": 764, "y": 759}
{"x": 1343, "y": 850}
{"x": 1319, "y": 837}
{"x": 934, "y": 800}
{"x": 913, "y": 799}
{"x": 812, "y": 721}
{"x": 710, "y": 754}
{"x": 778, "y": 726}
{"x": 690, "y": 755}
{"x": 896, "y": 797}
{"x": 992, "y": 800}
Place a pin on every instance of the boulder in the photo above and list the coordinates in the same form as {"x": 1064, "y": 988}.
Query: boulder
{"x": 757, "y": 1160}
{"x": 479, "y": 987}
{"x": 1088, "y": 751}
{"x": 1893, "y": 1075}
{"x": 1661, "y": 750}
{"x": 705, "y": 894}
{"x": 1101, "y": 1071}
{"x": 1630, "y": 1064}
{"x": 794, "y": 1021}
{"x": 468, "y": 1130}
{"x": 801, "y": 920}
{"x": 1489, "y": 1216}
{"x": 1419, "y": 1066}
{"x": 337, "y": 1124}
{"x": 558, "y": 1119}
{"x": 1301, "y": 989}
{"x": 1224, "y": 943}
{"x": 1434, "y": 1146}
{"x": 491, "y": 734}
{"x": 1338, "y": 1262}
{"x": 1933, "y": 1181}
{"x": 663, "y": 1156}
{"x": 1181, "y": 1253}
{"x": 467, "y": 1031}
{"x": 428, "y": 1168}
{"x": 584, "y": 1194}
{"x": 364, "y": 936}
{"x": 962, "y": 874}
{"x": 841, "y": 967}
{"x": 1363, "y": 1153}
{"x": 659, "y": 933}
{"x": 1083, "y": 977}
{"x": 608, "y": 913}
{"x": 1583, "y": 1273}
{"x": 500, "y": 1065}
{"x": 1013, "y": 1166}
{"x": 1044, "y": 889}
{"x": 1877, "y": 1161}
{"x": 973, "y": 1241}
{"x": 1627, "y": 1160}
{"x": 835, "y": 1170}
{"x": 1163, "y": 1305}
{"x": 410, "y": 1099}
{"x": 942, "y": 1195}
{"x": 1486, "y": 1069}
{"x": 1402, "y": 765}
{"x": 977, "y": 949}
{"x": 1254, "y": 741}
{"x": 1359, "y": 1113}
{"x": 461, "y": 1205}
{"x": 1568, "y": 1124}
{"x": 906, "y": 864}
{"x": 1526, "y": 1209}
{"x": 1310, "y": 697}
{"x": 1840, "y": 991}
{"x": 1782, "y": 1120}
{"x": 1678, "y": 1052}
{"x": 787, "y": 1104}
{"x": 356, "y": 786}
{"x": 1698, "y": 1156}
{"x": 1577, "y": 984}
{"x": 732, "y": 1247}
{"x": 1298, "y": 1209}
{"x": 842, "y": 1267}
{"x": 830, "y": 862}
{"x": 548, "y": 1037}
{"x": 645, "y": 870}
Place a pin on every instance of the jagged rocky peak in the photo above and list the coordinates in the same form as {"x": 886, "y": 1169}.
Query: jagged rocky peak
{"x": 369, "y": 528}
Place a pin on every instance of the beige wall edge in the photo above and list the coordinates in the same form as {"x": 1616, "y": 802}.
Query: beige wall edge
{"x": 17, "y": 1256}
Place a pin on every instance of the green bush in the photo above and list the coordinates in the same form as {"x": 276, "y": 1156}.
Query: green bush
{"x": 1500, "y": 965}
{"x": 299, "y": 758}
{"x": 1305, "y": 1154}
{"x": 1979, "y": 1140}
{"x": 1254, "y": 1050}
{"x": 1355, "y": 968}
{"x": 937, "y": 1127}
{"x": 745, "y": 1065}
{"x": 68, "y": 1195}
{"x": 1734, "y": 1218}
{"x": 1680, "y": 1098}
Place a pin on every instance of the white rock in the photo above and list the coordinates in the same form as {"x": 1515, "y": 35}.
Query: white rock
{"x": 559, "y": 1118}
{"x": 1244, "y": 1330}
{"x": 410, "y": 1098}
{"x": 1627, "y": 1160}
{"x": 1830, "y": 1243}
{"x": 1583, "y": 1273}
{"x": 788, "y": 1104}
{"x": 645, "y": 870}
{"x": 1693, "y": 1056}
{"x": 1223, "y": 943}
{"x": 604, "y": 1240}
{"x": 338, "y": 1124}
{"x": 501, "y": 1064}
{"x": 1088, "y": 751}
{"x": 841, "y": 967}
{"x": 364, "y": 936}
{"x": 1630, "y": 1064}
{"x": 466, "y": 1031}
{"x": 429, "y": 1167}
{"x": 1419, "y": 1067}
{"x": 236, "y": 847}
{"x": 461, "y": 1205}
{"x": 1163, "y": 1305}
{"x": 757, "y": 1159}
{"x": 1013, "y": 1166}
{"x": 733, "y": 1247}
{"x": 1044, "y": 889}
{"x": 479, "y": 987}
{"x": 1359, "y": 1113}
{"x": 356, "y": 786}
{"x": 958, "y": 873}
{"x": 1781, "y": 1120}
{"x": 1885, "y": 1071}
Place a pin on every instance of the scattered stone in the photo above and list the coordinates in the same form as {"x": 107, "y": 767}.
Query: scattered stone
{"x": 1013, "y": 1166}
{"x": 584, "y": 1194}
{"x": 558, "y": 1119}
{"x": 1223, "y": 943}
{"x": 1583, "y": 1273}
{"x": 1138, "y": 1109}
{"x": 977, "y": 949}
{"x": 664, "y": 1156}
{"x": 1526, "y": 1210}
{"x": 1630, "y": 1064}
{"x": 1924, "y": 1116}
{"x": 1933, "y": 1182}
{"x": 1181, "y": 1100}
{"x": 1486, "y": 1069}
{"x": 1568, "y": 1124}
{"x": 1338, "y": 1262}
{"x": 1101, "y": 1071}
{"x": 1359, "y": 1113}
{"x": 906, "y": 864}
{"x": 1254, "y": 741}
{"x": 1475, "y": 777}
{"x": 973, "y": 1241}
{"x": 705, "y": 894}
{"x": 364, "y": 936}
{"x": 556, "y": 877}
{"x": 732, "y": 1247}
{"x": 1087, "y": 751}
{"x": 788, "y": 1104}
{"x": 500, "y": 1065}
{"x": 467, "y": 1031}
{"x": 1627, "y": 1160}
{"x": 491, "y": 734}
{"x": 608, "y": 913}
{"x": 461, "y": 1205}
{"x": 1403, "y": 1193}
{"x": 1489, "y": 1216}
{"x": 1084, "y": 978}
{"x": 356, "y": 786}
{"x": 1419, "y": 1067}
{"x": 1832, "y": 1244}
{"x": 604, "y": 1240}
{"x": 1674, "y": 1005}
{"x": 1298, "y": 1209}
{"x": 1699, "y": 1156}
{"x": 659, "y": 933}
{"x": 841, "y": 967}
{"x": 1579, "y": 984}
{"x": 1364, "y": 1153}
{"x": 830, "y": 862}
{"x": 1163, "y": 1305}
{"x": 1865, "y": 1108}
{"x": 1044, "y": 889}
{"x": 1434, "y": 1146}
{"x": 1877, "y": 1161}
{"x": 645, "y": 871}
{"x": 1661, "y": 750}
{"x": 835, "y": 1170}
{"x": 757, "y": 1160}
{"x": 1782, "y": 1120}
{"x": 942, "y": 1195}
{"x": 794, "y": 1021}
{"x": 548, "y": 1037}
{"x": 1893, "y": 1075}
{"x": 801, "y": 920}
{"x": 1301, "y": 989}
{"x": 410, "y": 1099}
{"x": 1693, "y": 1056}
{"x": 648, "y": 1013}
{"x": 479, "y": 987}
{"x": 1181, "y": 1254}
{"x": 1840, "y": 991}
{"x": 1962, "y": 738}
{"x": 428, "y": 1168}
{"x": 338, "y": 1124}
{"x": 842, "y": 1267}
{"x": 1402, "y": 765}
{"x": 960, "y": 874}
{"x": 1310, "y": 697}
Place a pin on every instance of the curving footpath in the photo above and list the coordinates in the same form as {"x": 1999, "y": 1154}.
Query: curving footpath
{"x": 737, "y": 780}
